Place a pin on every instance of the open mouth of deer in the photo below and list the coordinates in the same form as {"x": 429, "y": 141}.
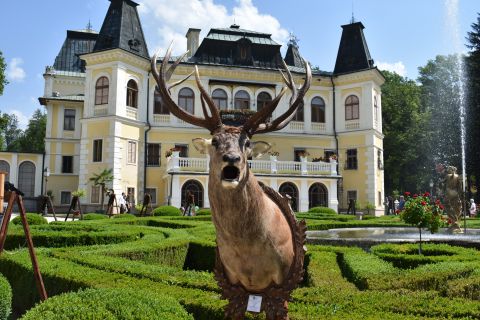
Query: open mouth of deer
{"x": 230, "y": 173}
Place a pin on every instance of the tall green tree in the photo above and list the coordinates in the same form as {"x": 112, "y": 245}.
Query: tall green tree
{"x": 33, "y": 139}
{"x": 441, "y": 98}
{"x": 403, "y": 125}
{"x": 10, "y": 132}
{"x": 101, "y": 179}
{"x": 472, "y": 68}
{"x": 3, "y": 78}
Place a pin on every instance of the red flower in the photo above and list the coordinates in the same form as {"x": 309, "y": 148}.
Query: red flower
{"x": 426, "y": 194}
{"x": 437, "y": 201}
{"x": 397, "y": 211}
{"x": 423, "y": 203}
{"x": 450, "y": 221}
{"x": 441, "y": 206}
{"x": 407, "y": 194}
{"x": 415, "y": 195}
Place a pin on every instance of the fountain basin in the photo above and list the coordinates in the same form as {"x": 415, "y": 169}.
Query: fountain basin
{"x": 368, "y": 237}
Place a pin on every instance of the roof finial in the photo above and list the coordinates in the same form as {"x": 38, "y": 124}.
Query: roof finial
{"x": 89, "y": 27}
{"x": 293, "y": 40}
{"x": 353, "y": 16}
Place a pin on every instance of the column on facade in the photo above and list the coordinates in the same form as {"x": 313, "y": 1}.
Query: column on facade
{"x": 332, "y": 195}
{"x": 176, "y": 199}
{"x": 303, "y": 196}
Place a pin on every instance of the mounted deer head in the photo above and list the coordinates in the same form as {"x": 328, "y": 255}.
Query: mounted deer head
{"x": 230, "y": 147}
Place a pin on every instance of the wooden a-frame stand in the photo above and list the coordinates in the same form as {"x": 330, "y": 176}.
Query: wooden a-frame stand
{"x": 146, "y": 206}
{"x": 75, "y": 208}
{"x": 47, "y": 205}
{"x": 12, "y": 199}
{"x": 112, "y": 202}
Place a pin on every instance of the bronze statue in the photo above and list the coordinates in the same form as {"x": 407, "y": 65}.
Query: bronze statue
{"x": 453, "y": 194}
{"x": 259, "y": 244}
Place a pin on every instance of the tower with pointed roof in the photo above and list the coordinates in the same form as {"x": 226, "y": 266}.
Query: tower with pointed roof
{"x": 353, "y": 54}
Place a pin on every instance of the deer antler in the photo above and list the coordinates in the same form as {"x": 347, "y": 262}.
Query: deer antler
{"x": 256, "y": 123}
{"x": 211, "y": 122}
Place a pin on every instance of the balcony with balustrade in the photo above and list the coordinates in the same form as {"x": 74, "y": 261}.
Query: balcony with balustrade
{"x": 272, "y": 167}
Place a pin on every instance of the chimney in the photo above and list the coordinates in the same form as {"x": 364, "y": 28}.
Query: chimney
{"x": 193, "y": 39}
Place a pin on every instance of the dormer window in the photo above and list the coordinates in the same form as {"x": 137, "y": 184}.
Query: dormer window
{"x": 244, "y": 51}
{"x": 132, "y": 94}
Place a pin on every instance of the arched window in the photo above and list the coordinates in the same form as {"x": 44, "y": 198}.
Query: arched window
{"x": 242, "y": 100}
{"x": 219, "y": 97}
{"x": 186, "y": 99}
{"x": 299, "y": 114}
{"x": 262, "y": 100}
{"x": 375, "y": 108}
{"x": 101, "y": 91}
{"x": 5, "y": 167}
{"x": 317, "y": 196}
{"x": 158, "y": 106}
{"x": 351, "y": 108}
{"x": 318, "y": 110}
{"x": 26, "y": 178}
{"x": 196, "y": 188}
{"x": 290, "y": 190}
{"x": 132, "y": 94}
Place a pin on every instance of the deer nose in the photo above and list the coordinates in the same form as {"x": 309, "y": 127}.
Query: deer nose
{"x": 231, "y": 158}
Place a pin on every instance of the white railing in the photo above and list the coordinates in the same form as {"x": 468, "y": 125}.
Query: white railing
{"x": 101, "y": 110}
{"x": 296, "y": 126}
{"x": 177, "y": 164}
{"x": 318, "y": 127}
{"x": 132, "y": 113}
{"x": 161, "y": 118}
{"x": 349, "y": 125}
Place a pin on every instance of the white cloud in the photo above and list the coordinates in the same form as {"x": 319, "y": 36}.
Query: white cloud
{"x": 397, "y": 67}
{"x": 14, "y": 70}
{"x": 22, "y": 118}
{"x": 172, "y": 19}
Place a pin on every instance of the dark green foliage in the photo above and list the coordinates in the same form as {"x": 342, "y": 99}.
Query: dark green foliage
{"x": 204, "y": 212}
{"x": 200, "y": 256}
{"x": 166, "y": 211}
{"x": 472, "y": 121}
{"x": 114, "y": 304}
{"x": 94, "y": 216}
{"x": 3, "y": 78}
{"x": 32, "y": 219}
{"x": 322, "y": 210}
{"x": 403, "y": 122}
{"x": 5, "y": 298}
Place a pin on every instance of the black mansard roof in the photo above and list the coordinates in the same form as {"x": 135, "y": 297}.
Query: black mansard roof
{"x": 235, "y": 46}
{"x": 122, "y": 29}
{"x": 76, "y": 44}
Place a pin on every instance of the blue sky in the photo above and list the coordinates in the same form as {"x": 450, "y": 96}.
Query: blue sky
{"x": 401, "y": 35}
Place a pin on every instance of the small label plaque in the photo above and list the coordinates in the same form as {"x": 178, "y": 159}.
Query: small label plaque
{"x": 254, "y": 303}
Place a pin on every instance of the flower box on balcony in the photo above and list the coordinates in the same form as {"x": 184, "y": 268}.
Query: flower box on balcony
{"x": 235, "y": 118}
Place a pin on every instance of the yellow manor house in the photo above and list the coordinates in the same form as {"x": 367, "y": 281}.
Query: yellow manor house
{"x": 103, "y": 113}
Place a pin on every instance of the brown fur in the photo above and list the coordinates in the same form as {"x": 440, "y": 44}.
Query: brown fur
{"x": 253, "y": 236}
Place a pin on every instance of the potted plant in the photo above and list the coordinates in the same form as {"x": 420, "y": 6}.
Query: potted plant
{"x": 172, "y": 151}
{"x": 333, "y": 157}
{"x": 273, "y": 155}
{"x": 303, "y": 154}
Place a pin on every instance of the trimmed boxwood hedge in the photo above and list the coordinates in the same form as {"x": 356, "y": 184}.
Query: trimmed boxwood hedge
{"x": 204, "y": 212}
{"x": 166, "y": 261}
{"x": 95, "y": 216}
{"x": 32, "y": 219}
{"x": 323, "y": 210}
{"x": 166, "y": 211}
{"x": 109, "y": 304}
{"x": 5, "y": 298}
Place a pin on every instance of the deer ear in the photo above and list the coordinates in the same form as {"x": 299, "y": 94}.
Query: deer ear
{"x": 259, "y": 148}
{"x": 202, "y": 144}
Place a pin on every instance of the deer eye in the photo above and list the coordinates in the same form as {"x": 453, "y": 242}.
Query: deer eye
{"x": 247, "y": 144}
{"x": 215, "y": 143}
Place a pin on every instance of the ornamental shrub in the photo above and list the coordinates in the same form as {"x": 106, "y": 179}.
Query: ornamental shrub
{"x": 166, "y": 211}
{"x": 204, "y": 212}
{"x": 32, "y": 219}
{"x": 114, "y": 304}
{"x": 322, "y": 210}
{"x": 5, "y": 298}
{"x": 94, "y": 216}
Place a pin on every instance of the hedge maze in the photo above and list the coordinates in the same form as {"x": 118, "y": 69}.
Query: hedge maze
{"x": 161, "y": 268}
